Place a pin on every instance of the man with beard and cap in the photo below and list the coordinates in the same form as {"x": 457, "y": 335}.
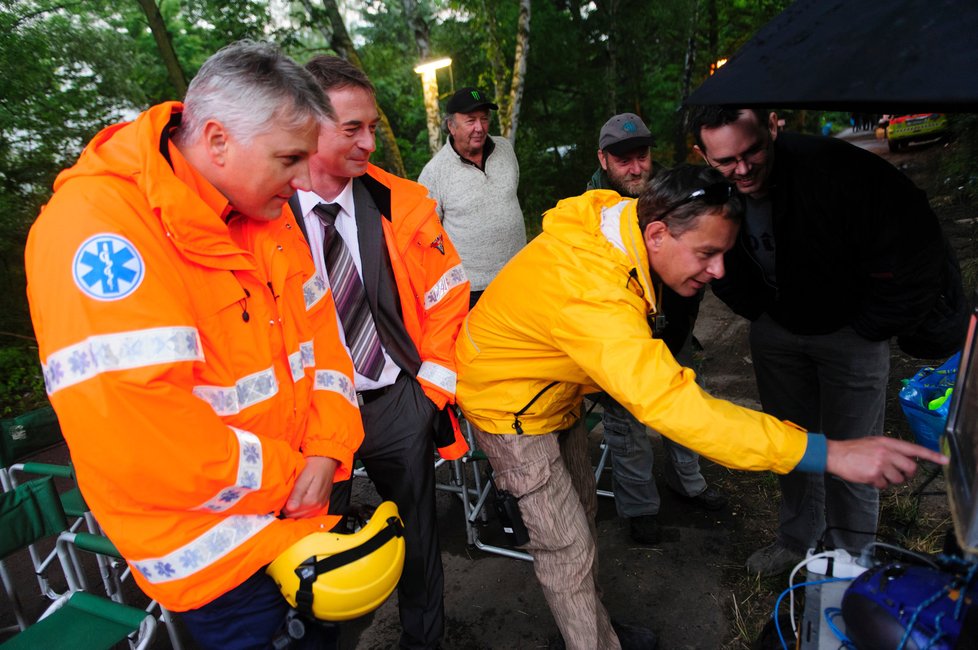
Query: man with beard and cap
{"x": 626, "y": 165}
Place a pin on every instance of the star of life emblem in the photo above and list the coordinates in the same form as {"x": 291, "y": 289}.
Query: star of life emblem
{"x": 108, "y": 267}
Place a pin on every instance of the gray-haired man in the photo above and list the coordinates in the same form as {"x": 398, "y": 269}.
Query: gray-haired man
{"x": 474, "y": 179}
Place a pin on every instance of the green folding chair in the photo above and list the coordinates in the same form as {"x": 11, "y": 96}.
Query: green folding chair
{"x": 21, "y": 439}
{"x": 30, "y": 513}
{"x": 103, "y": 546}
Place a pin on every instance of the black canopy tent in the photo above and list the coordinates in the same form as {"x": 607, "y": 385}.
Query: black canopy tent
{"x": 891, "y": 56}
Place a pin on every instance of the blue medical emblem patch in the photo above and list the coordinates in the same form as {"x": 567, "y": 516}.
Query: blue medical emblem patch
{"x": 108, "y": 267}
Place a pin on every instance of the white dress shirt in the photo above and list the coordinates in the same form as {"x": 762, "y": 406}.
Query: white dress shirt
{"x": 346, "y": 226}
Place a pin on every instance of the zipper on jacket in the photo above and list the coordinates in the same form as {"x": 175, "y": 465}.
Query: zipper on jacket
{"x": 517, "y": 425}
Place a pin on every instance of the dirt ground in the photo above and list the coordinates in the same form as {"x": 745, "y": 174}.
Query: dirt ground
{"x": 692, "y": 589}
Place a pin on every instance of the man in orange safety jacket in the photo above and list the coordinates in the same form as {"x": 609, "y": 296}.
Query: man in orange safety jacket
{"x": 401, "y": 295}
{"x": 190, "y": 349}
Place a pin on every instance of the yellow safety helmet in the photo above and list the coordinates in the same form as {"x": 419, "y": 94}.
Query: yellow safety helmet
{"x": 335, "y": 577}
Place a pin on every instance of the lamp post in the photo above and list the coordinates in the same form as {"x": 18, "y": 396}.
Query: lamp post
{"x": 429, "y": 85}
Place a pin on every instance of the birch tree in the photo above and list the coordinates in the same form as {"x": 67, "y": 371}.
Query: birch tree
{"x": 508, "y": 86}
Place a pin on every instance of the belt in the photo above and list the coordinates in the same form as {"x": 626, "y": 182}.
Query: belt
{"x": 367, "y": 396}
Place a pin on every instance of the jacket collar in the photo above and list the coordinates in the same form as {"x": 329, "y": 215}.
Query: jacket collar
{"x": 192, "y": 211}
{"x": 634, "y": 244}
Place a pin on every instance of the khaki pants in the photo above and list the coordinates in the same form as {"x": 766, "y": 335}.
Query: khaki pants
{"x": 551, "y": 474}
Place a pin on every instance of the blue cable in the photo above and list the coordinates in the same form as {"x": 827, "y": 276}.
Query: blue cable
{"x": 777, "y": 603}
{"x": 938, "y": 631}
{"x": 916, "y": 613}
{"x": 967, "y": 583}
{"x": 830, "y": 614}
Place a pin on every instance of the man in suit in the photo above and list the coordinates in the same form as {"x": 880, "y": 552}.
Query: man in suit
{"x": 401, "y": 297}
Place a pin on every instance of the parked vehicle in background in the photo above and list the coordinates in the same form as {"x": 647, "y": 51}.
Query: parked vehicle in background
{"x": 904, "y": 129}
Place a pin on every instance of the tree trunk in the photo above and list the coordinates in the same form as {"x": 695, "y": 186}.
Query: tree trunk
{"x": 418, "y": 27}
{"x": 519, "y": 70}
{"x": 498, "y": 67}
{"x": 680, "y": 141}
{"x": 611, "y": 74}
{"x": 164, "y": 42}
{"x": 429, "y": 82}
{"x": 340, "y": 42}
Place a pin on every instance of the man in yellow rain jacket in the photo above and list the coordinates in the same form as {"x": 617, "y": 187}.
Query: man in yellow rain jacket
{"x": 576, "y": 312}
{"x": 189, "y": 348}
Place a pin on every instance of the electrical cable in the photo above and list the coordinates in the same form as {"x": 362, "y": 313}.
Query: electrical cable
{"x": 865, "y": 559}
{"x": 777, "y": 604}
{"x": 830, "y": 614}
{"x": 791, "y": 581}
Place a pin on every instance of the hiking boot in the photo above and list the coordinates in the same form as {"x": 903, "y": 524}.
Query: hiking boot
{"x": 709, "y": 499}
{"x": 644, "y": 529}
{"x": 773, "y": 560}
{"x": 634, "y": 637}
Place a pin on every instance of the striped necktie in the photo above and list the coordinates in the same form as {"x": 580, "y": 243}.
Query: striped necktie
{"x": 350, "y": 297}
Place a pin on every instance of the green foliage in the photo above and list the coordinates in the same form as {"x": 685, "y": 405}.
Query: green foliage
{"x": 958, "y": 166}
{"x": 70, "y": 69}
{"x": 21, "y": 381}
{"x": 961, "y": 182}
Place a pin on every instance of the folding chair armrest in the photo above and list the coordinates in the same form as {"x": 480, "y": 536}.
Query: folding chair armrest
{"x": 97, "y": 544}
{"x": 93, "y": 544}
{"x": 45, "y": 469}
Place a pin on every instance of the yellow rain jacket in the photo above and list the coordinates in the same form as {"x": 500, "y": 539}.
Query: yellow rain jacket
{"x": 568, "y": 316}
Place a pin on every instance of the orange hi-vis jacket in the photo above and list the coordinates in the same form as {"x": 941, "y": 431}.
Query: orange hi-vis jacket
{"x": 194, "y": 364}
{"x": 431, "y": 285}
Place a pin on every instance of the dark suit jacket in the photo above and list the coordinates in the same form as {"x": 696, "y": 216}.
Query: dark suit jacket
{"x": 372, "y": 203}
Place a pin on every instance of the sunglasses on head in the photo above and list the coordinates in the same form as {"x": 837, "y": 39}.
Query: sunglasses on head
{"x": 716, "y": 194}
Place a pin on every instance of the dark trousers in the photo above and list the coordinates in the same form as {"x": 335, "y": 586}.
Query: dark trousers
{"x": 398, "y": 454}
{"x": 251, "y": 617}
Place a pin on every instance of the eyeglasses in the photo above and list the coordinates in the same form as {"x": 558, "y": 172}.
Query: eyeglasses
{"x": 716, "y": 194}
{"x": 752, "y": 156}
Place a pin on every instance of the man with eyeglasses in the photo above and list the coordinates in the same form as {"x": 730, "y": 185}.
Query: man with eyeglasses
{"x": 839, "y": 252}
{"x": 569, "y": 316}
{"x": 625, "y": 166}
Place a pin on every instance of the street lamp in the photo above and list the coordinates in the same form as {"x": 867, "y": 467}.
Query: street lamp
{"x": 429, "y": 85}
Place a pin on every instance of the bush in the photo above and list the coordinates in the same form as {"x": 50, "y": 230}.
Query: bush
{"x": 21, "y": 381}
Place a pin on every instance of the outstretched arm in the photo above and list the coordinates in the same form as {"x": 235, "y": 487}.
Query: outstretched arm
{"x": 877, "y": 460}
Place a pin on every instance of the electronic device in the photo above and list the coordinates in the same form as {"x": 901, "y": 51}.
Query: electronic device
{"x": 960, "y": 443}
{"x": 913, "y": 607}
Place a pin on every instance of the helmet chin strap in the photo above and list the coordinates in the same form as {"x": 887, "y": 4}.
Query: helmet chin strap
{"x": 311, "y": 569}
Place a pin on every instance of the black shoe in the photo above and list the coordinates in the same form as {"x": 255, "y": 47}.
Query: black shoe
{"x": 709, "y": 499}
{"x": 634, "y": 637}
{"x": 644, "y": 529}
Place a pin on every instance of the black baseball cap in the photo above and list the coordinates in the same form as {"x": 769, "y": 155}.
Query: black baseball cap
{"x": 468, "y": 99}
{"x": 623, "y": 133}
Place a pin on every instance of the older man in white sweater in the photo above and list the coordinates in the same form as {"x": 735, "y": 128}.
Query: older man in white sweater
{"x": 474, "y": 178}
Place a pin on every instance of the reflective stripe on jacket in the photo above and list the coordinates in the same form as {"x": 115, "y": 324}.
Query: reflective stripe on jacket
{"x": 180, "y": 356}
{"x": 568, "y": 316}
{"x": 431, "y": 286}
